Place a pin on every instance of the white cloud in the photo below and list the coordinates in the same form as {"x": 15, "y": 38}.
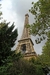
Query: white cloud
{"x": 8, "y": 13}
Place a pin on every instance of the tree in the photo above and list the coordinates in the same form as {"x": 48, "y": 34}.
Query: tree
{"x": 8, "y": 37}
{"x": 45, "y": 57}
{"x": 22, "y": 67}
{"x": 41, "y": 12}
{"x": 38, "y": 65}
{"x": 41, "y": 27}
{"x": 4, "y": 68}
{"x": 9, "y": 63}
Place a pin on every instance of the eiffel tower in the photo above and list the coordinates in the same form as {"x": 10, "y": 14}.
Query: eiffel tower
{"x": 25, "y": 44}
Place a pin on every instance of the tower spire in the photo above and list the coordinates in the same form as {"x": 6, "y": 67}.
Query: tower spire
{"x": 26, "y": 19}
{"x": 26, "y": 31}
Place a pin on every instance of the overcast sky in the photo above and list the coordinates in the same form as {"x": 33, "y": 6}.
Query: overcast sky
{"x": 14, "y": 11}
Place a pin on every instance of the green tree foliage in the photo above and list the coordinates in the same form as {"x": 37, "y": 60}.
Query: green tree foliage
{"x": 38, "y": 66}
{"x": 22, "y": 67}
{"x": 8, "y": 37}
{"x": 45, "y": 57}
{"x": 16, "y": 65}
{"x": 41, "y": 27}
{"x": 41, "y": 12}
{"x": 5, "y": 69}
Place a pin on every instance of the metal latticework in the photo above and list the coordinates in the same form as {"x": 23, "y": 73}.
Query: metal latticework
{"x": 25, "y": 43}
